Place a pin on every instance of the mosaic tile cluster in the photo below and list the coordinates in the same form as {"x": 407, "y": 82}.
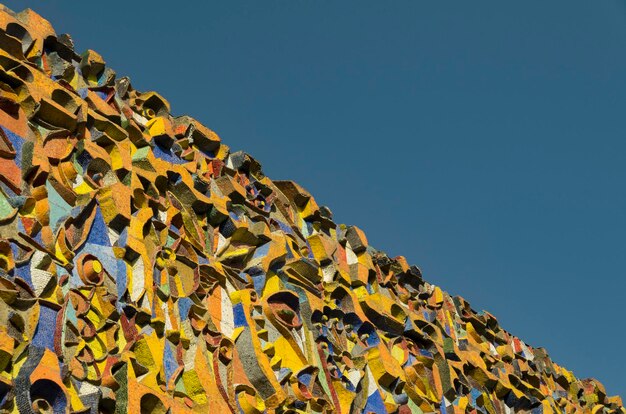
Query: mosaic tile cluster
{"x": 146, "y": 268}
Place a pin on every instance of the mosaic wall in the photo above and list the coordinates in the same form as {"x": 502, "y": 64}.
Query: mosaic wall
{"x": 145, "y": 268}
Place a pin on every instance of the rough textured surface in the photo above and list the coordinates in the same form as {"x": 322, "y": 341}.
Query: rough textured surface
{"x": 145, "y": 268}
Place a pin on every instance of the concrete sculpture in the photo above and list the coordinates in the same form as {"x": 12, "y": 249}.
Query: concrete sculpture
{"x": 145, "y": 268}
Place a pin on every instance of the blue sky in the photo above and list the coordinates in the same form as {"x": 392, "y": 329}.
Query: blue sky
{"x": 484, "y": 141}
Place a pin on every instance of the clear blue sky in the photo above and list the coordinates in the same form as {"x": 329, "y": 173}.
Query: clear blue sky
{"x": 484, "y": 141}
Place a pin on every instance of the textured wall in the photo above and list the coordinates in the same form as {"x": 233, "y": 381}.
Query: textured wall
{"x": 144, "y": 268}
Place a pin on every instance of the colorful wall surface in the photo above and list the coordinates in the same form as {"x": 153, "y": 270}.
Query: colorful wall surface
{"x": 145, "y": 268}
